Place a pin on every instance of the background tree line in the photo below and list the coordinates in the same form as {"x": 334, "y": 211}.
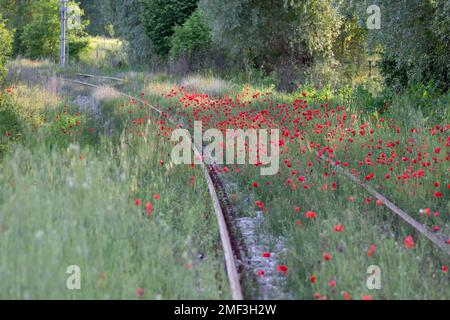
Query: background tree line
{"x": 292, "y": 41}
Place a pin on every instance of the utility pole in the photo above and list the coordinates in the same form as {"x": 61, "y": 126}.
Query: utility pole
{"x": 63, "y": 11}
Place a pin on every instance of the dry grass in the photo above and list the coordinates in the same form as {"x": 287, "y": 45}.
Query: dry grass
{"x": 210, "y": 85}
{"x": 105, "y": 93}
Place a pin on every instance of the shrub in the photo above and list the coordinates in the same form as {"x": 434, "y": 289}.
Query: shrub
{"x": 5, "y": 47}
{"x": 159, "y": 18}
{"x": 10, "y": 129}
{"x": 193, "y": 36}
{"x": 41, "y": 36}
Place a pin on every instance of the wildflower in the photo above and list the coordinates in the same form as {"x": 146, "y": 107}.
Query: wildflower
{"x": 346, "y": 296}
{"x": 148, "y": 209}
{"x": 259, "y": 204}
{"x": 260, "y": 273}
{"x": 339, "y": 228}
{"x": 266, "y": 255}
{"x": 332, "y": 284}
{"x": 367, "y": 298}
{"x": 311, "y": 215}
{"x": 255, "y": 185}
{"x": 156, "y": 197}
{"x": 327, "y": 257}
{"x": 444, "y": 269}
{"x": 426, "y": 211}
{"x": 283, "y": 269}
{"x": 409, "y": 242}
{"x": 137, "y": 202}
{"x": 313, "y": 279}
{"x": 371, "y": 250}
{"x": 140, "y": 292}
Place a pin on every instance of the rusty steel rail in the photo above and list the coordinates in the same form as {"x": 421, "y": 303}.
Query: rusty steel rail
{"x": 85, "y": 75}
{"x": 229, "y": 255}
{"x": 439, "y": 241}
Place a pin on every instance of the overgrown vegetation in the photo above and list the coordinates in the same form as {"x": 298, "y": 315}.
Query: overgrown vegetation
{"x": 86, "y": 176}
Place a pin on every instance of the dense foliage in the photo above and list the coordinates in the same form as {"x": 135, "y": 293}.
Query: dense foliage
{"x": 160, "y": 17}
{"x": 37, "y": 28}
{"x": 193, "y": 36}
{"x": 5, "y": 47}
{"x": 414, "y": 40}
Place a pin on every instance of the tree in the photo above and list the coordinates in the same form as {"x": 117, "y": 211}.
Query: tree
{"x": 283, "y": 36}
{"x": 17, "y": 14}
{"x": 414, "y": 40}
{"x": 193, "y": 36}
{"x": 41, "y": 35}
{"x": 160, "y": 17}
{"x": 5, "y": 47}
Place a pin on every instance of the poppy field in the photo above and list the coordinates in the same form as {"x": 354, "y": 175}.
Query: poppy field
{"x": 94, "y": 186}
{"x": 334, "y": 229}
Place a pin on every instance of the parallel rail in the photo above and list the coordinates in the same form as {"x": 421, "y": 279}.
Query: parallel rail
{"x": 438, "y": 241}
{"x": 229, "y": 254}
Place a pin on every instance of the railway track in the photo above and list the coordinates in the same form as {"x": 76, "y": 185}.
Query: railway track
{"x": 220, "y": 204}
{"x": 223, "y": 211}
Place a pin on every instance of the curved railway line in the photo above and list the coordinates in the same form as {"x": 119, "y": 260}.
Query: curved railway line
{"x": 233, "y": 260}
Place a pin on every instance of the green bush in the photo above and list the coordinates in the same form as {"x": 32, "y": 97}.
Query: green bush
{"x": 41, "y": 36}
{"x": 10, "y": 129}
{"x": 193, "y": 36}
{"x": 5, "y": 47}
{"x": 160, "y": 17}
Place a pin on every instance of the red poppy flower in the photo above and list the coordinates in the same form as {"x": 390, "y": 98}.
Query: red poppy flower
{"x": 156, "y": 197}
{"x": 311, "y": 215}
{"x": 140, "y": 292}
{"x": 266, "y": 255}
{"x": 148, "y": 209}
{"x": 283, "y": 269}
{"x": 332, "y": 284}
{"x": 260, "y": 273}
{"x": 367, "y": 298}
{"x": 339, "y": 228}
{"x": 327, "y": 257}
{"x": 409, "y": 242}
{"x": 137, "y": 202}
{"x": 444, "y": 269}
{"x": 346, "y": 296}
{"x": 255, "y": 185}
{"x": 313, "y": 279}
{"x": 371, "y": 250}
{"x": 259, "y": 204}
